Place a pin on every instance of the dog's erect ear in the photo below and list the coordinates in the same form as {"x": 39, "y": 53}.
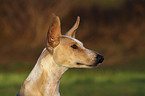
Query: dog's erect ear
{"x": 72, "y": 31}
{"x": 54, "y": 34}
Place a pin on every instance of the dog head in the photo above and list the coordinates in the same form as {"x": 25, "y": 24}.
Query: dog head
{"x": 68, "y": 51}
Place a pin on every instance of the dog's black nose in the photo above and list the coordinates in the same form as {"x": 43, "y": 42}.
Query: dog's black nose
{"x": 100, "y": 58}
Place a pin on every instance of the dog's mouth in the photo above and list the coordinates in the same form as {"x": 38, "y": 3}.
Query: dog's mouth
{"x": 93, "y": 65}
{"x": 80, "y": 64}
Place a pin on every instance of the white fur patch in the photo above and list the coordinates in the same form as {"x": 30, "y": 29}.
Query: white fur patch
{"x": 79, "y": 42}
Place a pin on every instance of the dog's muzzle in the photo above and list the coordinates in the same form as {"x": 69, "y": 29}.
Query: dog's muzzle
{"x": 99, "y": 59}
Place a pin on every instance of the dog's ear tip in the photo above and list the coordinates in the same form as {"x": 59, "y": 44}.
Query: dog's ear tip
{"x": 72, "y": 31}
{"x": 54, "y": 16}
{"x": 78, "y": 17}
{"x": 56, "y": 19}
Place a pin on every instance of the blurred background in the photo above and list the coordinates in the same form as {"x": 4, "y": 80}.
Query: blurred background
{"x": 114, "y": 28}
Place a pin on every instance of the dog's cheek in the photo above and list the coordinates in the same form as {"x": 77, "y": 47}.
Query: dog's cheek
{"x": 63, "y": 62}
{"x": 58, "y": 59}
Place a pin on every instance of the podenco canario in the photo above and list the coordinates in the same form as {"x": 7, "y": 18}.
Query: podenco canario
{"x": 61, "y": 52}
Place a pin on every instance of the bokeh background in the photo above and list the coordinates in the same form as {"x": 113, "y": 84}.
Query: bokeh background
{"x": 114, "y": 28}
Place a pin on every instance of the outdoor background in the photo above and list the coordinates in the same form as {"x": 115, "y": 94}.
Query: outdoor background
{"x": 114, "y": 28}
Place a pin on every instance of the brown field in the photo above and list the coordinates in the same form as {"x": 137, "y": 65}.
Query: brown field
{"x": 115, "y": 29}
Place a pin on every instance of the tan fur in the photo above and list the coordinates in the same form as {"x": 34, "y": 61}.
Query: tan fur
{"x": 56, "y": 58}
{"x": 71, "y": 56}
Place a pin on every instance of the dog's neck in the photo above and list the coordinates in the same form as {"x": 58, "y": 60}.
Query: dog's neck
{"x": 44, "y": 78}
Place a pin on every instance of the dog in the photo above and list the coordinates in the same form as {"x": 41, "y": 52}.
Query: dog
{"x": 61, "y": 52}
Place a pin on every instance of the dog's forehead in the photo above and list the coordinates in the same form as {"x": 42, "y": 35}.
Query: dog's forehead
{"x": 73, "y": 39}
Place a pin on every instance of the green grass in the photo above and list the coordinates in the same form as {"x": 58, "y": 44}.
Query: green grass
{"x": 10, "y": 83}
{"x": 85, "y": 82}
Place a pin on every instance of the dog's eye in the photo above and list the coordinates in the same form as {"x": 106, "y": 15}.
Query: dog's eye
{"x": 74, "y": 46}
